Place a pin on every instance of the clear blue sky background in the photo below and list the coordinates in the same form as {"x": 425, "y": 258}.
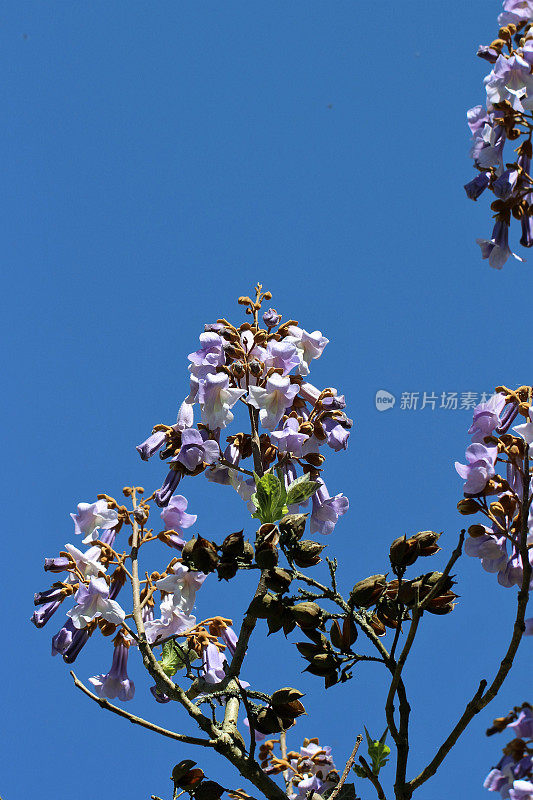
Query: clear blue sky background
{"x": 157, "y": 160}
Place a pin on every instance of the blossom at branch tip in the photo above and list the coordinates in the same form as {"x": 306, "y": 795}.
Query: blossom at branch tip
{"x": 90, "y": 517}
{"x": 217, "y": 400}
{"x": 288, "y": 439}
{"x": 93, "y": 601}
{"x": 282, "y": 355}
{"x": 497, "y": 248}
{"x": 273, "y": 399}
{"x": 309, "y": 345}
{"x": 182, "y": 584}
{"x": 116, "y": 683}
{"x": 326, "y": 510}
{"x": 487, "y": 417}
{"x": 175, "y": 515}
{"x": 195, "y": 450}
{"x": 271, "y": 318}
{"x": 479, "y": 467}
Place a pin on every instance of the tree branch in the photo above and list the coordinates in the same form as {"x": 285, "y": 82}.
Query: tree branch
{"x": 347, "y": 768}
{"x": 151, "y": 726}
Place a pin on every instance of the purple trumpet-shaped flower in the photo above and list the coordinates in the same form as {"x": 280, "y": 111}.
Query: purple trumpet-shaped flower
{"x": 41, "y": 615}
{"x": 87, "y": 563}
{"x": 497, "y": 248}
{"x": 173, "y": 621}
{"x": 326, "y": 510}
{"x": 522, "y": 9}
{"x": 487, "y": 417}
{"x": 501, "y": 777}
{"x": 195, "y": 450}
{"x": 288, "y": 439}
{"x": 116, "y": 682}
{"x": 527, "y": 52}
{"x": 282, "y": 355}
{"x": 161, "y": 697}
{"x": 479, "y": 467}
{"x": 491, "y": 549}
{"x": 504, "y": 186}
{"x": 511, "y": 80}
{"x": 310, "y": 393}
{"x": 487, "y": 146}
{"x": 310, "y": 346}
{"x": 213, "y": 664}
{"x": 90, "y": 517}
{"x": 217, "y": 400}
{"x": 230, "y": 639}
{"x": 522, "y": 728}
{"x": 59, "y": 564}
{"x": 170, "y": 484}
{"x": 337, "y": 431}
{"x": 271, "y": 318}
{"x": 69, "y": 641}
{"x": 272, "y": 401}
{"x": 477, "y": 185}
{"x": 175, "y": 516}
{"x": 151, "y": 445}
{"x": 211, "y": 352}
{"x": 217, "y": 473}
{"x": 477, "y": 118}
{"x": 183, "y": 584}
{"x": 93, "y": 601}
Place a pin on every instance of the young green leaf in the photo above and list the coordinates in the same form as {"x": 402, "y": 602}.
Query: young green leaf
{"x": 301, "y": 490}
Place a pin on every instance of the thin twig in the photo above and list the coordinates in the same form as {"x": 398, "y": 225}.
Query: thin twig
{"x": 372, "y": 778}
{"x": 347, "y": 768}
{"x": 151, "y": 726}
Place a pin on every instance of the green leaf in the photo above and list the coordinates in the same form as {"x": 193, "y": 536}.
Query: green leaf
{"x": 301, "y": 490}
{"x": 269, "y": 498}
{"x": 378, "y": 751}
{"x": 174, "y": 657}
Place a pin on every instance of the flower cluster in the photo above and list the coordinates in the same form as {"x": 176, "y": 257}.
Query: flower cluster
{"x": 309, "y": 770}
{"x": 265, "y": 371}
{"x": 506, "y": 116}
{"x": 500, "y": 543}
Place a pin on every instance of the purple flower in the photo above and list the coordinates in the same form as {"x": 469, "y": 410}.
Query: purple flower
{"x": 195, "y": 450}
{"x": 116, "y": 682}
{"x": 211, "y": 352}
{"x": 170, "y": 484}
{"x": 271, "y": 318}
{"x": 477, "y": 185}
{"x": 93, "y": 601}
{"x": 90, "y": 517}
{"x": 310, "y": 346}
{"x": 326, "y": 510}
{"x": 510, "y": 80}
{"x": 175, "y": 516}
{"x": 69, "y": 641}
{"x": 337, "y": 431}
{"x": 491, "y": 549}
{"x": 487, "y": 146}
{"x": 282, "y": 355}
{"x": 487, "y": 417}
{"x": 183, "y": 584}
{"x": 477, "y": 118}
{"x": 527, "y": 52}
{"x": 154, "y": 442}
{"x": 522, "y": 9}
{"x": 311, "y": 394}
{"x": 41, "y": 615}
{"x": 272, "y": 401}
{"x": 217, "y": 399}
{"x": 479, "y": 467}
{"x": 497, "y": 248}
{"x": 522, "y": 728}
{"x": 172, "y": 621}
{"x": 288, "y": 439}
{"x": 522, "y": 790}
{"x": 504, "y": 186}
{"x": 213, "y": 664}
{"x": 221, "y": 474}
{"x": 161, "y": 697}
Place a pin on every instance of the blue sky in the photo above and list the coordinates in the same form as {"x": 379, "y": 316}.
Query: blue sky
{"x": 158, "y": 160}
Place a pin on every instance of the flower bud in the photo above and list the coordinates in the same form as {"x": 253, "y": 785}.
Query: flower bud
{"x": 467, "y": 506}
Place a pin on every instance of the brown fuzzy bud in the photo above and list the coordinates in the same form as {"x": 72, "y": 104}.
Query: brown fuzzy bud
{"x": 200, "y": 555}
{"x": 307, "y": 614}
{"x": 307, "y": 553}
{"x": 277, "y": 579}
{"x": 367, "y": 592}
{"x": 292, "y": 527}
{"x": 476, "y": 530}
